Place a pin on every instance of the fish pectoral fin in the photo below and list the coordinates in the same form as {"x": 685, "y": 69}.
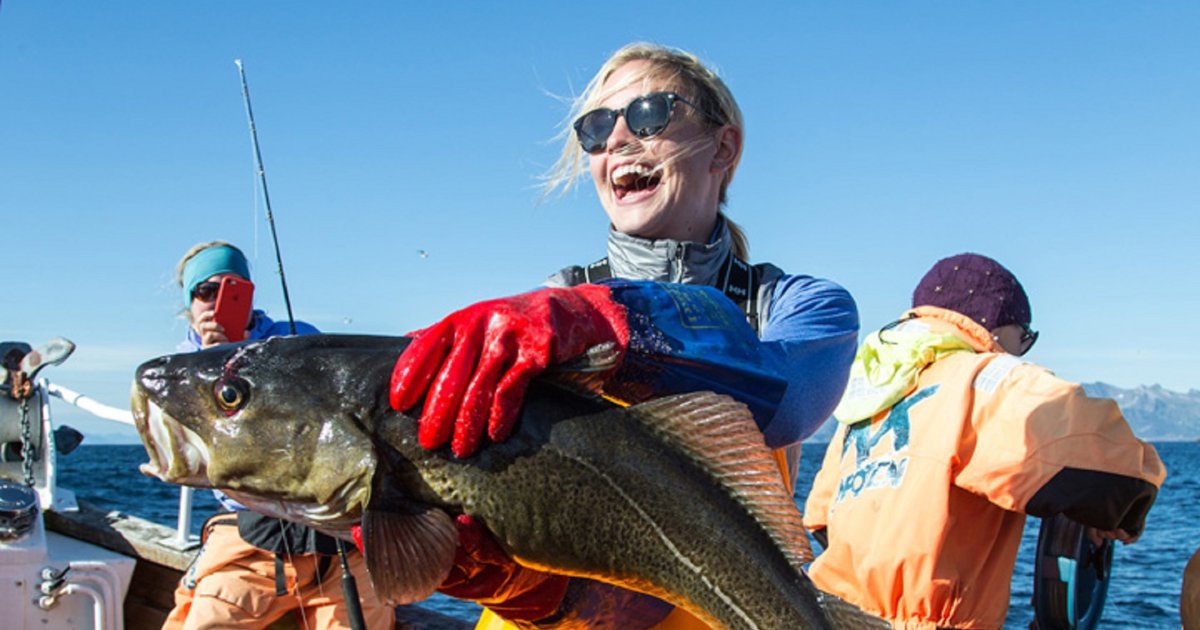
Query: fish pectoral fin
{"x": 408, "y": 555}
{"x": 720, "y": 431}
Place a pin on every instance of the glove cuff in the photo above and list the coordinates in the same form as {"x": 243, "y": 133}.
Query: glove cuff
{"x": 605, "y": 305}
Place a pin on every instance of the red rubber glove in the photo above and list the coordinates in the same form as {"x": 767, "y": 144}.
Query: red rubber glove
{"x": 475, "y": 364}
{"x": 484, "y": 574}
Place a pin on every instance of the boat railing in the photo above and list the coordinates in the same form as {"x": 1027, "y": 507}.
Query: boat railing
{"x": 183, "y": 538}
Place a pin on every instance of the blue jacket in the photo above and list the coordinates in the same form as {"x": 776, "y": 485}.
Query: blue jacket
{"x": 261, "y": 327}
{"x": 809, "y": 329}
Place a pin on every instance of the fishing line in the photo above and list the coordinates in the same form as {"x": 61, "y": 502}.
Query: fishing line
{"x": 349, "y": 585}
{"x": 262, "y": 177}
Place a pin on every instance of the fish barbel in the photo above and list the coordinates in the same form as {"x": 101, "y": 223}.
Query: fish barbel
{"x": 677, "y": 497}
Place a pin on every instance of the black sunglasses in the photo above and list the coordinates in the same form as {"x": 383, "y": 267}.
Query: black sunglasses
{"x": 1028, "y": 335}
{"x": 206, "y": 291}
{"x": 646, "y": 116}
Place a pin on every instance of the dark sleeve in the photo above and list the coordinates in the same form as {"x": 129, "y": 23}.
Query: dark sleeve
{"x": 1102, "y": 500}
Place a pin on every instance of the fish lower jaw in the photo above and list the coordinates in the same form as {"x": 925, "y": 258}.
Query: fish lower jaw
{"x": 177, "y": 454}
{"x": 317, "y": 515}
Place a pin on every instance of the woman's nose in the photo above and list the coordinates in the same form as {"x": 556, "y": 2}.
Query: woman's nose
{"x": 621, "y": 136}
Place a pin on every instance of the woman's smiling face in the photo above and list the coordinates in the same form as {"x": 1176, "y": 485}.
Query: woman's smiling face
{"x": 664, "y": 186}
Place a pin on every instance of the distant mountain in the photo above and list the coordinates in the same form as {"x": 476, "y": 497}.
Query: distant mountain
{"x": 1153, "y": 412}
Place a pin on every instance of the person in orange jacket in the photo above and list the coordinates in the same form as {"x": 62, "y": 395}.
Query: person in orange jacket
{"x": 946, "y": 440}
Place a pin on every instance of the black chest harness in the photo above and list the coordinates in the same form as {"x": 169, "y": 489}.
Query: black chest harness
{"x": 738, "y": 280}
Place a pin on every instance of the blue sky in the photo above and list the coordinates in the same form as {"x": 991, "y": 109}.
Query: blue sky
{"x": 1061, "y": 138}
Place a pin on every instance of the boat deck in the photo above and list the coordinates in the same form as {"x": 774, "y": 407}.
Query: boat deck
{"x": 160, "y": 565}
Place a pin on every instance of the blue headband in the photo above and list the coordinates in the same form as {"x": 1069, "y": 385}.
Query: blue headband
{"x": 209, "y": 262}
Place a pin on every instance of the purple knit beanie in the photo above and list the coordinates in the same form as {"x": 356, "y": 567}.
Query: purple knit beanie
{"x": 977, "y": 287}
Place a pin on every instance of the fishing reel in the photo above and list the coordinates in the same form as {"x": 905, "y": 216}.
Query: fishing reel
{"x": 1070, "y": 576}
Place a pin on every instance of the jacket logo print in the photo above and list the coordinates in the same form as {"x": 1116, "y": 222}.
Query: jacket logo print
{"x": 886, "y": 469}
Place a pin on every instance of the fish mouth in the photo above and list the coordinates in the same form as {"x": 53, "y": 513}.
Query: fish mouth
{"x": 177, "y": 454}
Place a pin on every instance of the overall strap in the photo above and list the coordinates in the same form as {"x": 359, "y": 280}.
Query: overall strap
{"x": 280, "y": 576}
{"x": 739, "y": 282}
{"x": 597, "y": 271}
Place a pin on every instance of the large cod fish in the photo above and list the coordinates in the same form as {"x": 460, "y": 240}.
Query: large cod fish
{"x": 677, "y": 497}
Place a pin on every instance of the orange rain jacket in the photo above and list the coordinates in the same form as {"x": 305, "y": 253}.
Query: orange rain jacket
{"x": 925, "y": 501}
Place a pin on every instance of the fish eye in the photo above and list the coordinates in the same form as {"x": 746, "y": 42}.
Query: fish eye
{"x": 231, "y": 393}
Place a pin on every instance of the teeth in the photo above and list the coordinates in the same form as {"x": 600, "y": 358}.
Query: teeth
{"x": 180, "y": 456}
{"x": 624, "y": 175}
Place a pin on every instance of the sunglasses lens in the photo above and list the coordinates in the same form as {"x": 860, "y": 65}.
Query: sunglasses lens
{"x": 594, "y": 128}
{"x": 205, "y": 291}
{"x": 648, "y": 116}
{"x": 1028, "y": 338}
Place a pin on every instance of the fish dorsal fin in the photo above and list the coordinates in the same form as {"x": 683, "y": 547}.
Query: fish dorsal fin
{"x": 721, "y": 431}
{"x": 408, "y": 555}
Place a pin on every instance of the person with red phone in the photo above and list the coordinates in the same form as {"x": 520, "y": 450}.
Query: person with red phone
{"x": 219, "y": 295}
{"x": 253, "y": 570}
{"x": 232, "y": 311}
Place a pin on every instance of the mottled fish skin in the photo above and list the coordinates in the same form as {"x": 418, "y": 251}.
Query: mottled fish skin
{"x": 589, "y": 490}
{"x": 677, "y": 497}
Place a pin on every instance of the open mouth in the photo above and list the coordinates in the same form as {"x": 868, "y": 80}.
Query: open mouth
{"x": 635, "y": 180}
{"x": 177, "y": 454}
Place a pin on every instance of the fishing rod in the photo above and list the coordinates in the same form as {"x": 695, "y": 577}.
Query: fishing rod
{"x": 262, "y": 177}
{"x": 349, "y": 585}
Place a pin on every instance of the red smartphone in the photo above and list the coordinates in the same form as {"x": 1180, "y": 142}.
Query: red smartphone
{"x": 234, "y": 300}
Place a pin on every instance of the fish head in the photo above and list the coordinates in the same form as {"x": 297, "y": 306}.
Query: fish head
{"x": 279, "y": 425}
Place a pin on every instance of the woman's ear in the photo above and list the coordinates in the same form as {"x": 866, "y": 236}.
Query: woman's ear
{"x": 729, "y": 149}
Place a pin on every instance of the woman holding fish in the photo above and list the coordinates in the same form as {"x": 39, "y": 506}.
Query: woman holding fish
{"x": 252, "y": 569}
{"x": 661, "y": 135}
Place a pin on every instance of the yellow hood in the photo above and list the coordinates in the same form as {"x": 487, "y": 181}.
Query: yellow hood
{"x": 887, "y": 364}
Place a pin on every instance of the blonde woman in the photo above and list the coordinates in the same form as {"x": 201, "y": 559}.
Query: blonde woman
{"x": 661, "y": 136}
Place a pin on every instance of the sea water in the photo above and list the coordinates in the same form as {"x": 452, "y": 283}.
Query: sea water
{"x": 1143, "y": 593}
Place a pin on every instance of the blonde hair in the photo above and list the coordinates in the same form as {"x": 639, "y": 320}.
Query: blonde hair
{"x": 741, "y": 245}
{"x": 685, "y": 73}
